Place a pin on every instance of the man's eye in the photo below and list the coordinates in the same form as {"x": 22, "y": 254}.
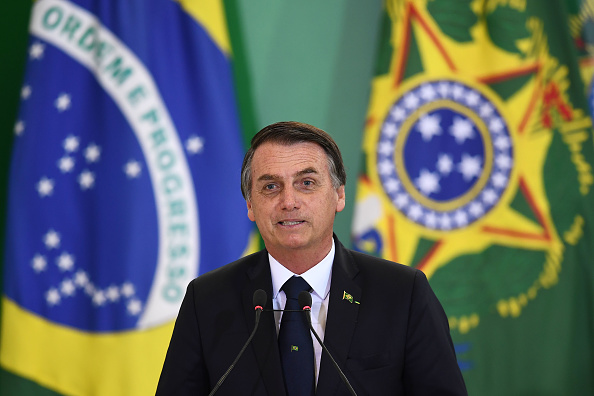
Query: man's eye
{"x": 270, "y": 186}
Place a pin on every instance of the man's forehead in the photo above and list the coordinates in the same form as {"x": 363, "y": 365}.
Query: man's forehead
{"x": 274, "y": 160}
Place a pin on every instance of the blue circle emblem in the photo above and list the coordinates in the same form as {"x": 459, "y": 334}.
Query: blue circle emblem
{"x": 444, "y": 155}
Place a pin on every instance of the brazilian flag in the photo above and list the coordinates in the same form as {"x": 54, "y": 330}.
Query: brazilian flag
{"x": 124, "y": 186}
{"x": 478, "y": 170}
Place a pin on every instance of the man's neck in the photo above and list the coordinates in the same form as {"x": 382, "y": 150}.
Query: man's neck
{"x": 299, "y": 261}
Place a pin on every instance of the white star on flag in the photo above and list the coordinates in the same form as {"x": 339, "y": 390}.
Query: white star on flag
{"x": 489, "y": 196}
{"x": 445, "y": 164}
{"x": 67, "y": 287}
{"x": 51, "y": 239}
{"x": 486, "y": 110}
{"x": 470, "y": 166}
{"x": 504, "y": 161}
{"x": 52, "y": 296}
{"x": 385, "y": 167}
{"x": 445, "y": 222}
{"x": 45, "y": 187}
{"x": 194, "y": 144}
{"x": 65, "y": 262}
{"x": 461, "y": 130}
{"x": 390, "y": 129}
{"x": 39, "y": 263}
{"x": 399, "y": 114}
{"x": 427, "y": 182}
{"x": 134, "y": 307}
{"x": 411, "y": 101}
{"x": 414, "y": 212}
{"x": 81, "y": 278}
{"x": 128, "y": 289}
{"x": 86, "y": 180}
{"x": 92, "y": 153}
{"x": 473, "y": 99}
{"x": 26, "y": 92}
{"x": 428, "y": 92}
{"x": 429, "y": 126}
{"x": 499, "y": 180}
{"x": 112, "y": 293}
{"x": 71, "y": 143}
{"x": 401, "y": 201}
{"x": 444, "y": 89}
{"x": 99, "y": 298}
{"x": 132, "y": 169}
{"x": 431, "y": 219}
{"x": 36, "y": 50}
{"x": 392, "y": 185}
{"x": 386, "y": 148}
{"x": 502, "y": 143}
{"x": 63, "y": 102}
{"x": 458, "y": 92}
{"x": 66, "y": 164}
{"x": 461, "y": 218}
{"x": 19, "y": 127}
{"x": 476, "y": 209}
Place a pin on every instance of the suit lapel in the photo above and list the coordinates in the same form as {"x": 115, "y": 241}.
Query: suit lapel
{"x": 341, "y": 319}
{"x": 264, "y": 344}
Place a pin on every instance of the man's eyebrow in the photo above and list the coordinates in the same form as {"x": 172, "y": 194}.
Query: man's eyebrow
{"x": 306, "y": 171}
{"x": 267, "y": 176}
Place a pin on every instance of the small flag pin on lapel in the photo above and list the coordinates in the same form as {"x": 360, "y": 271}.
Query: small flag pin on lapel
{"x": 349, "y": 298}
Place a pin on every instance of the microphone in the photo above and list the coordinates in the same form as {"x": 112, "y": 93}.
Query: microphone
{"x": 259, "y": 300}
{"x": 304, "y": 299}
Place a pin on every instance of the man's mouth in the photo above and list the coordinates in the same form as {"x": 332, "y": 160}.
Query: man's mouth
{"x": 290, "y": 223}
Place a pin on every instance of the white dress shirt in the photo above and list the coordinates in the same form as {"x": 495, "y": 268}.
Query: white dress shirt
{"x": 318, "y": 278}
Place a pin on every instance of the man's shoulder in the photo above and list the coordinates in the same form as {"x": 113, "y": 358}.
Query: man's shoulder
{"x": 230, "y": 273}
{"x": 367, "y": 263}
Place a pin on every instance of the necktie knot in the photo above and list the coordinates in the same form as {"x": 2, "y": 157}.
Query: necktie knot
{"x": 294, "y": 286}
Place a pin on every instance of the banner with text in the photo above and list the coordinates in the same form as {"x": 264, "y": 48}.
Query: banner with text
{"x": 124, "y": 185}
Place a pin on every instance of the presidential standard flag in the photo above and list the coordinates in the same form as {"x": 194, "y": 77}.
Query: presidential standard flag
{"x": 478, "y": 171}
{"x": 124, "y": 185}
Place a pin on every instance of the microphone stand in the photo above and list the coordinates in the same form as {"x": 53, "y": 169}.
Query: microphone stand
{"x": 305, "y": 302}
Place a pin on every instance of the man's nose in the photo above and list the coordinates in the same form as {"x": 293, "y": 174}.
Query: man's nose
{"x": 289, "y": 199}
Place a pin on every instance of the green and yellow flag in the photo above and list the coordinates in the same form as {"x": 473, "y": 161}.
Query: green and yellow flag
{"x": 128, "y": 119}
{"x": 478, "y": 171}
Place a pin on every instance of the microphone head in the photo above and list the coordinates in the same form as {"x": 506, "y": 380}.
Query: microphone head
{"x": 304, "y": 299}
{"x": 259, "y": 298}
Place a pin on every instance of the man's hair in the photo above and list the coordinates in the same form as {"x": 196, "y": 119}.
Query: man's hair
{"x": 289, "y": 133}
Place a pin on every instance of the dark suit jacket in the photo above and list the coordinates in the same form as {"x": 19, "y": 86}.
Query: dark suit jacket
{"x": 396, "y": 341}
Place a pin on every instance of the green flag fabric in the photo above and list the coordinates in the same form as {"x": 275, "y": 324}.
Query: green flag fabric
{"x": 478, "y": 170}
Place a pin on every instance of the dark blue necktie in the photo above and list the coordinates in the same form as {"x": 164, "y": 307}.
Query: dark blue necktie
{"x": 295, "y": 344}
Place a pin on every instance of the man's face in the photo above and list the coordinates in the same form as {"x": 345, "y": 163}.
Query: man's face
{"x": 293, "y": 201}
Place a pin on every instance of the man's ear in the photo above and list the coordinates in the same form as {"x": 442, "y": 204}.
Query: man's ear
{"x": 341, "y": 203}
{"x": 250, "y": 211}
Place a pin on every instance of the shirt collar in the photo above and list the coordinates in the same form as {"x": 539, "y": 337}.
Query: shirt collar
{"x": 318, "y": 276}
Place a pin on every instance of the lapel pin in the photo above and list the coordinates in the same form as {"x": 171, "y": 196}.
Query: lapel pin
{"x": 349, "y": 298}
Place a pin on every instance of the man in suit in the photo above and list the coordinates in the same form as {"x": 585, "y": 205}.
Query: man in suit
{"x": 380, "y": 320}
